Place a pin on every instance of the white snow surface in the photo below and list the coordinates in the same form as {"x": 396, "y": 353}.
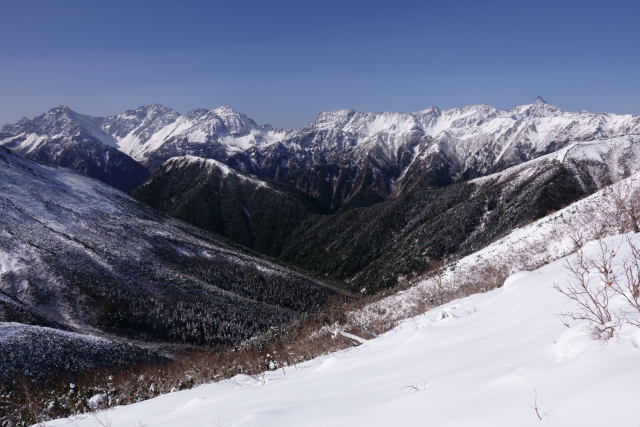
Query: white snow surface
{"x": 477, "y": 361}
{"x": 8, "y": 262}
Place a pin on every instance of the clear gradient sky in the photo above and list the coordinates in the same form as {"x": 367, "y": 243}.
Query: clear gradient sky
{"x": 282, "y": 62}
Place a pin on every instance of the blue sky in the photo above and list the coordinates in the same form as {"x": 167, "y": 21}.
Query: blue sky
{"x": 282, "y": 62}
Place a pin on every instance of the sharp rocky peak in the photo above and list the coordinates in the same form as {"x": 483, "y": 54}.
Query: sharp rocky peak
{"x": 432, "y": 110}
{"x": 196, "y": 113}
{"x": 333, "y": 118}
{"x": 155, "y": 108}
{"x": 61, "y": 109}
{"x": 225, "y": 110}
{"x": 59, "y": 119}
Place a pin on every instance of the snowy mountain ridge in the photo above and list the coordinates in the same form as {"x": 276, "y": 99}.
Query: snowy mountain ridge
{"x": 467, "y": 132}
{"x": 135, "y": 132}
{"x": 342, "y": 158}
{"x": 468, "y": 129}
{"x": 212, "y": 165}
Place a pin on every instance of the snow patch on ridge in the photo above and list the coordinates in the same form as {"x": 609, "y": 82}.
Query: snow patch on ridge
{"x": 177, "y": 162}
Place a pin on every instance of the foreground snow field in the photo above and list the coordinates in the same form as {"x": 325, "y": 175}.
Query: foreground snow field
{"x": 478, "y": 361}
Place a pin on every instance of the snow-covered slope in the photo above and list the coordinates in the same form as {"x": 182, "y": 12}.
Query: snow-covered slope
{"x": 502, "y": 358}
{"x": 79, "y": 253}
{"x": 212, "y": 166}
{"x": 38, "y": 353}
{"x": 547, "y": 239}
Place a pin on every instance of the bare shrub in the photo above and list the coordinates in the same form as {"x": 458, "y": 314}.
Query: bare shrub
{"x": 628, "y": 287}
{"x": 441, "y": 287}
{"x": 591, "y": 295}
{"x": 617, "y": 213}
{"x": 482, "y": 278}
{"x": 540, "y": 414}
{"x": 595, "y": 283}
{"x": 588, "y": 225}
{"x": 625, "y": 200}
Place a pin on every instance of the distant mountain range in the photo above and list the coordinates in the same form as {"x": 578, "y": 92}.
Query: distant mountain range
{"x": 341, "y": 159}
{"x": 364, "y": 198}
{"x": 280, "y": 220}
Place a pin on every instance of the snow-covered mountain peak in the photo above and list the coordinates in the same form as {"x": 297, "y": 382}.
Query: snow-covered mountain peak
{"x": 474, "y": 139}
{"x": 133, "y": 128}
{"x": 539, "y": 108}
{"x": 365, "y": 124}
{"x": 431, "y": 110}
{"x": 234, "y": 121}
{"x": 60, "y": 109}
{"x": 59, "y": 123}
{"x": 140, "y": 119}
{"x": 155, "y": 110}
{"x": 225, "y": 110}
{"x": 197, "y": 113}
{"x": 331, "y": 119}
{"x": 371, "y": 124}
{"x": 203, "y": 132}
{"x": 61, "y": 112}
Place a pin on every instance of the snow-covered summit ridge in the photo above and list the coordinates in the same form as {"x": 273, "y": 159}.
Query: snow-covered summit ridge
{"x": 60, "y": 121}
{"x": 142, "y": 130}
{"x": 480, "y": 138}
{"x": 211, "y": 165}
{"x": 145, "y": 130}
{"x": 434, "y": 120}
{"x": 473, "y": 140}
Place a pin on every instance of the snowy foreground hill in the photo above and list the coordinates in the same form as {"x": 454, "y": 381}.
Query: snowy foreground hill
{"x": 502, "y": 358}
